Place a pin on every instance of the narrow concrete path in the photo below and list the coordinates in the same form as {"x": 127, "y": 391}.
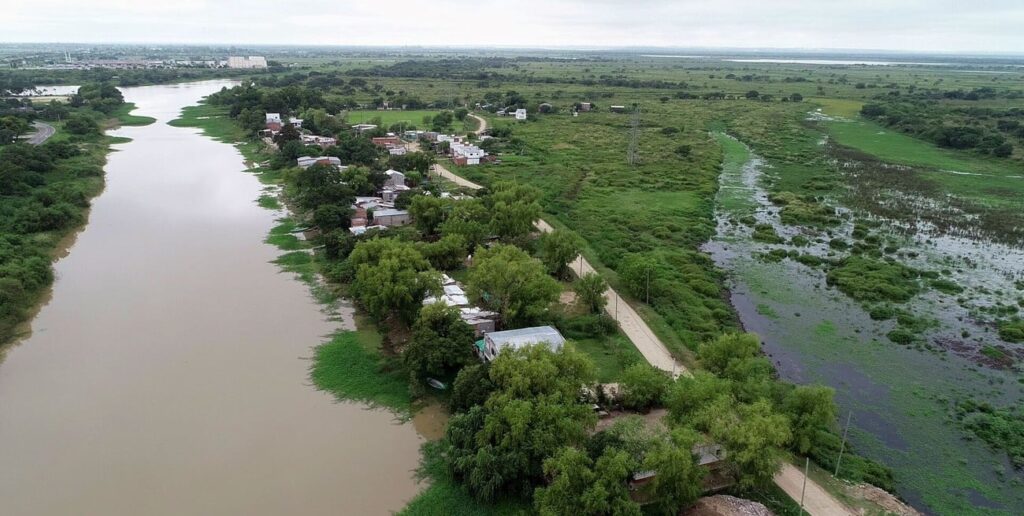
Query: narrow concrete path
{"x": 817, "y": 501}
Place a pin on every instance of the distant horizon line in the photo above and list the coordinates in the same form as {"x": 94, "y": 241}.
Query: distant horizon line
{"x": 567, "y": 47}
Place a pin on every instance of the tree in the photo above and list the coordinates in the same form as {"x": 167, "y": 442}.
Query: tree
{"x": 690, "y": 394}
{"x": 579, "y": 486}
{"x": 446, "y": 254}
{"x": 428, "y": 212}
{"x": 391, "y": 278}
{"x": 329, "y": 217}
{"x": 590, "y": 291}
{"x": 533, "y": 412}
{"x": 510, "y": 282}
{"x": 469, "y": 219}
{"x": 472, "y": 387}
{"x": 81, "y": 125}
{"x": 753, "y": 436}
{"x": 288, "y": 133}
{"x": 644, "y": 386}
{"x": 460, "y": 114}
{"x": 796, "y": 97}
{"x": 723, "y": 353}
{"x": 677, "y": 482}
{"x": 557, "y": 249}
{"x": 640, "y": 273}
{"x": 753, "y": 95}
{"x": 441, "y": 343}
{"x": 514, "y": 208}
{"x": 811, "y": 410}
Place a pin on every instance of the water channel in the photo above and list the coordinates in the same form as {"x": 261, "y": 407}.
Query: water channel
{"x": 169, "y": 371}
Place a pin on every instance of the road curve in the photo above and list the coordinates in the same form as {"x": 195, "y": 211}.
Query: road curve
{"x": 817, "y": 501}
{"x": 483, "y": 124}
{"x": 43, "y": 133}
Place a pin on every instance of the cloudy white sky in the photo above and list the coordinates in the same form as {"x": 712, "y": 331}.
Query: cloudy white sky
{"x": 928, "y": 25}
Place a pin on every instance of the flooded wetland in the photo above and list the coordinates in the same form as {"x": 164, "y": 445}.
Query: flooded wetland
{"x": 169, "y": 372}
{"x": 893, "y": 295}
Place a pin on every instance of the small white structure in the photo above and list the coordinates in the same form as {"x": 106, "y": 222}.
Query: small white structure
{"x": 466, "y": 153}
{"x": 297, "y": 122}
{"x": 362, "y": 128}
{"x": 390, "y": 193}
{"x": 395, "y": 178}
{"x": 309, "y": 161}
{"x": 520, "y": 114}
{"x": 247, "y": 62}
{"x": 273, "y": 118}
{"x": 322, "y": 141}
{"x": 498, "y": 341}
{"x": 390, "y": 217}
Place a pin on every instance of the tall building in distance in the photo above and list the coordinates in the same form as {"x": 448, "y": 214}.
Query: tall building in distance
{"x": 247, "y": 62}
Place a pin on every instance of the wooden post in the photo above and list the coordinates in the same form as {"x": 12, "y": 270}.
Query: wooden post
{"x": 842, "y": 446}
{"x": 807, "y": 466}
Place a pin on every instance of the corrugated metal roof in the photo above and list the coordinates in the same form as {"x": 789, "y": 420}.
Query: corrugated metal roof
{"x": 527, "y": 336}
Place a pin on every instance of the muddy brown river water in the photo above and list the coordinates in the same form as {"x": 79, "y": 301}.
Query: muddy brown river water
{"x": 168, "y": 374}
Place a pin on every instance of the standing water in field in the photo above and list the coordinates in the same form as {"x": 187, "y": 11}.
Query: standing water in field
{"x": 169, "y": 374}
{"x": 900, "y": 397}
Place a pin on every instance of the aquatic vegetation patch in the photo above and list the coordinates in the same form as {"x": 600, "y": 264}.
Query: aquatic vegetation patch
{"x": 1000, "y": 428}
{"x": 1012, "y": 331}
{"x": 350, "y": 367}
{"x": 870, "y": 280}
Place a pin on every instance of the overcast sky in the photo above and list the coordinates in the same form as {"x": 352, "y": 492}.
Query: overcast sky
{"x": 929, "y": 25}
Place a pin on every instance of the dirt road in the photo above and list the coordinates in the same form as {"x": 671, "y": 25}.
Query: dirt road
{"x": 817, "y": 501}
{"x": 483, "y": 124}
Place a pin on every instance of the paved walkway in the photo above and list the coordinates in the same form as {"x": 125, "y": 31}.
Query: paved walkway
{"x": 817, "y": 501}
{"x": 43, "y": 133}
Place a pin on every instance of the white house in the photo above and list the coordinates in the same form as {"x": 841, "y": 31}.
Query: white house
{"x": 247, "y": 62}
{"x": 520, "y": 114}
{"x": 498, "y": 341}
{"x": 297, "y": 122}
{"x": 273, "y": 118}
{"x": 362, "y": 128}
{"x": 397, "y": 150}
{"x": 466, "y": 154}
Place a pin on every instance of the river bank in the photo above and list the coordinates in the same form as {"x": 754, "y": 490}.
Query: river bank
{"x": 174, "y": 357}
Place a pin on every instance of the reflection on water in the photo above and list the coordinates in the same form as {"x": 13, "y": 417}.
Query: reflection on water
{"x": 169, "y": 372}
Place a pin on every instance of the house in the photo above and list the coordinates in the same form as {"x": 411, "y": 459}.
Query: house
{"x": 709, "y": 456}
{"x": 362, "y": 128}
{"x": 466, "y": 154}
{"x": 395, "y": 178}
{"x": 520, "y": 114}
{"x": 545, "y": 107}
{"x": 397, "y": 150}
{"x": 617, "y": 109}
{"x": 359, "y": 230}
{"x": 309, "y": 161}
{"x": 274, "y": 118}
{"x": 322, "y": 141}
{"x": 585, "y": 106}
{"x": 391, "y": 217}
{"x": 247, "y": 62}
{"x": 482, "y": 321}
{"x": 390, "y": 193}
{"x": 387, "y": 141}
{"x": 297, "y": 122}
{"x": 495, "y": 342}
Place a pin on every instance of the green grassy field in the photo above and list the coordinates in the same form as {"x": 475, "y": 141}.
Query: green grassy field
{"x": 389, "y": 118}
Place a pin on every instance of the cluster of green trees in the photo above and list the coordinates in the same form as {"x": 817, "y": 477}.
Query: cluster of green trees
{"x": 44, "y": 192}
{"x": 987, "y": 131}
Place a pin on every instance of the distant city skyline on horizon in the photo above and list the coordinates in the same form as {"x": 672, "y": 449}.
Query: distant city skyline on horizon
{"x": 947, "y": 26}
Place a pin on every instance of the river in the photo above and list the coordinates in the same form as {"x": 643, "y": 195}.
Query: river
{"x": 169, "y": 372}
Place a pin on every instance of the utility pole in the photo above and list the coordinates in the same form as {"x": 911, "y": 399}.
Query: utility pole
{"x": 648, "y": 285}
{"x": 616, "y": 305}
{"x": 803, "y": 490}
{"x": 842, "y": 446}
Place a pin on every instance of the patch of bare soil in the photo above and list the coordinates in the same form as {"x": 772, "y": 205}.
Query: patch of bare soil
{"x": 725, "y": 505}
{"x": 889, "y": 503}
